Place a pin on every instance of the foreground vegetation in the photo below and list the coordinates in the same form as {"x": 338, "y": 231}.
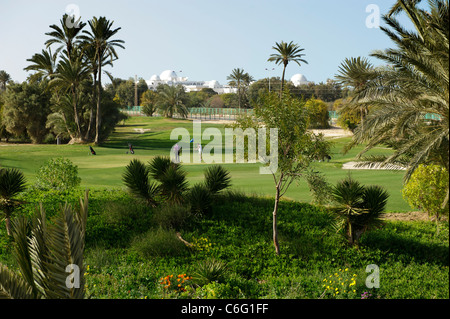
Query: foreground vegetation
{"x": 131, "y": 249}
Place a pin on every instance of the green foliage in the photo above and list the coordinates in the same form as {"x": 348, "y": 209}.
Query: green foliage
{"x": 25, "y": 110}
{"x": 12, "y": 183}
{"x": 426, "y": 189}
{"x": 359, "y": 208}
{"x": 209, "y": 270}
{"x": 200, "y": 199}
{"x": 158, "y": 242}
{"x": 44, "y": 263}
{"x": 170, "y": 216}
{"x": 217, "y": 179}
{"x": 318, "y": 113}
{"x": 136, "y": 178}
{"x": 59, "y": 174}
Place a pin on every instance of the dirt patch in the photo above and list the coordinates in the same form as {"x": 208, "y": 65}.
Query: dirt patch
{"x": 409, "y": 216}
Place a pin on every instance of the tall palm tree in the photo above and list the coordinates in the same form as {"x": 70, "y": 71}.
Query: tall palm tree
{"x": 12, "y": 182}
{"x": 416, "y": 83}
{"x": 4, "y": 78}
{"x": 68, "y": 77}
{"x": 171, "y": 100}
{"x": 44, "y": 64}
{"x": 100, "y": 38}
{"x": 286, "y": 52}
{"x": 65, "y": 35}
{"x": 356, "y": 73}
{"x": 237, "y": 78}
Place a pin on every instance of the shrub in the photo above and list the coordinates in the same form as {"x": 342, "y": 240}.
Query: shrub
{"x": 171, "y": 216}
{"x": 59, "y": 174}
{"x": 426, "y": 189}
{"x": 359, "y": 208}
{"x": 158, "y": 242}
{"x": 318, "y": 113}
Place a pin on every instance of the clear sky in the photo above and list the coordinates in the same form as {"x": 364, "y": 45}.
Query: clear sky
{"x": 205, "y": 39}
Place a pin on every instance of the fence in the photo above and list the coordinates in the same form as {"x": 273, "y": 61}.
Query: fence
{"x": 205, "y": 113}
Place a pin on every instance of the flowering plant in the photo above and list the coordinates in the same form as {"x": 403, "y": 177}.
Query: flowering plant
{"x": 340, "y": 284}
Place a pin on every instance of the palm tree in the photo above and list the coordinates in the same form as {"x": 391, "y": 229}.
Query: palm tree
{"x": 68, "y": 77}
{"x": 137, "y": 180}
{"x": 46, "y": 253}
{"x": 171, "y": 100}
{"x": 414, "y": 84}
{"x": 12, "y": 182}
{"x": 359, "y": 208}
{"x": 236, "y": 78}
{"x": 171, "y": 176}
{"x": 356, "y": 74}
{"x": 4, "y": 78}
{"x": 286, "y": 52}
{"x": 100, "y": 38}
{"x": 66, "y": 36}
{"x": 44, "y": 64}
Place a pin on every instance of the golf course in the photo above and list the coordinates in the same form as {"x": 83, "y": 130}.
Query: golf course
{"x": 150, "y": 137}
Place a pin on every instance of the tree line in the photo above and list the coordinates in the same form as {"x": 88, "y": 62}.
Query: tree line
{"x": 63, "y": 97}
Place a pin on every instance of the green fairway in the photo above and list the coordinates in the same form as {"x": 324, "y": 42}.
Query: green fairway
{"x": 151, "y": 137}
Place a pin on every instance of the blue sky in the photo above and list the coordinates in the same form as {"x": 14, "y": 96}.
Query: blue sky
{"x": 205, "y": 39}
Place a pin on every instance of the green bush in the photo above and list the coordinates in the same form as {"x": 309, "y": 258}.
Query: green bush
{"x": 158, "y": 242}
{"x": 426, "y": 189}
{"x": 58, "y": 174}
{"x": 170, "y": 216}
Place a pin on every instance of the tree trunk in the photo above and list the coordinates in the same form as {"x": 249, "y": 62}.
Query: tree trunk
{"x": 275, "y": 228}
{"x": 8, "y": 224}
{"x": 75, "y": 110}
{"x": 99, "y": 120}
{"x": 282, "y": 80}
{"x": 91, "y": 115}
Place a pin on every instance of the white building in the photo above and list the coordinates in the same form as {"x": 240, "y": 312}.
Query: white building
{"x": 299, "y": 79}
{"x": 171, "y": 78}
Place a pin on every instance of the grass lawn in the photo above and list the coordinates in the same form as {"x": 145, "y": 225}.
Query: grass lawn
{"x": 151, "y": 137}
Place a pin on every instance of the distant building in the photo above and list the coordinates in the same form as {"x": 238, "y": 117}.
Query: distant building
{"x": 171, "y": 78}
{"x": 299, "y": 79}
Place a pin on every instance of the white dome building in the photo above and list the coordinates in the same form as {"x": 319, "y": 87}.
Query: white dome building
{"x": 171, "y": 78}
{"x": 299, "y": 79}
{"x": 168, "y": 76}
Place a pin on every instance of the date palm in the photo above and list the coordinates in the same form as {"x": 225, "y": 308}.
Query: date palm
{"x": 4, "y": 78}
{"x": 287, "y": 52}
{"x": 356, "y": 73}
{"x": 100, "y": 37}
{"x": 415, "y": 83}
{"x": 237, "y": 78}
{"x": 171, "y": 100}
{"x": 68, "y": 78}
{"x": 66, "y": 35}
{"x": 44, "y": 64}
{"x": 12, "y": 182}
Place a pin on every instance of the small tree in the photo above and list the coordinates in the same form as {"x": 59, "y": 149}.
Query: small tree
{"x": 296, "y": 144}
{"x": 426, "y": 189}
